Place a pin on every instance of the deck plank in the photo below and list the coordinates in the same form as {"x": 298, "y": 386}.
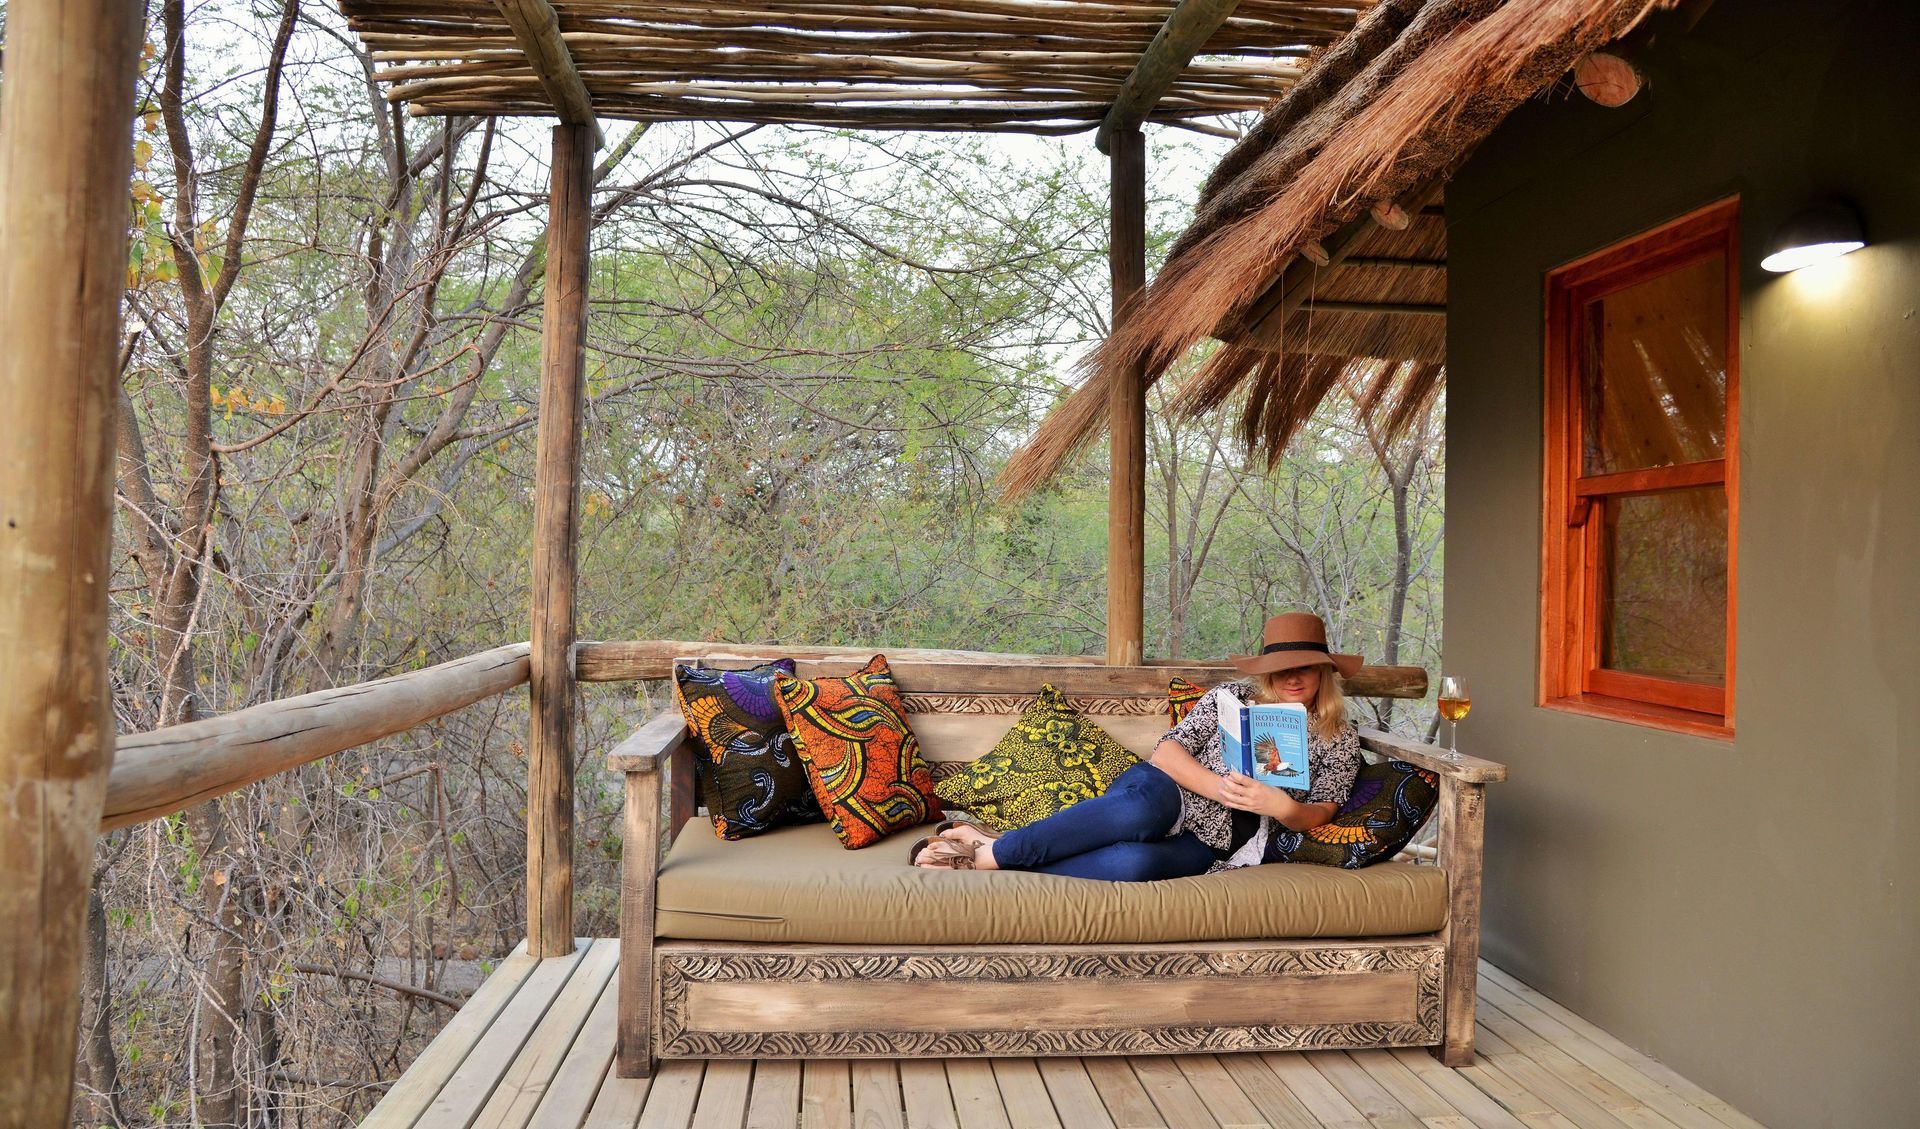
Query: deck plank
{"x": 923, "y": 1089}
{"x": 1381, "y": 1109}
{"x": 723, "y": 1095}
{"x": 1270, "y": 1095}
{"x": 1221, "y": 1094}
{"x": 1175, "y": 1097}
{"x": 1675, "y": 1106}
{"x": 1320, "y": 1096}
{"x": 1024, "y": 1094}
{"x": 676, "y": 1089}
{"x": 1643, "y": 1063}
{"x": 1563, "y": 1096}
{"x": 524, "y": 1083}
{"x": 876, "y": 1095}
{"x": 1420, "y": 1099}
{"x": 1522, "y": 1102}
{"x": 570, "y": 1096}
{"x": 1073, "y": 1093}
{"x": 467, "y": 1090}
{"x": 1120, "y": 1091}
{"x": 1615, "y": 1099}
{"x": 408, "y": 1098}
{"x": 1487, "y": 1111}
{"x": 826, "y": 1094}
{"x": 775, "y": 1103}
{"x": 976, "y": 1097}
{"x": 619, "y": 1103}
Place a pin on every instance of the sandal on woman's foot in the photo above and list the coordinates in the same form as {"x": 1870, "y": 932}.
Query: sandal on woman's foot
{"x": 940, "y": 851}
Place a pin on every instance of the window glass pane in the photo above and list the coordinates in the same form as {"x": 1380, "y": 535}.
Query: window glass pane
{"x": 1653, "y": 370}
{"x": 1663, "y": 585}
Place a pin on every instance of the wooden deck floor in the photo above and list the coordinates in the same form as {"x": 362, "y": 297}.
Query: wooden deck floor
{"x": 533, "y": 1048}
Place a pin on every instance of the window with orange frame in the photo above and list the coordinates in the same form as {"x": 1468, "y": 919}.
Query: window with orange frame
{"x": 1642, "y": 399}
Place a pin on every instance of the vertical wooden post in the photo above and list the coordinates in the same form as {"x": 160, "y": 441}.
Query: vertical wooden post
{"x": 1462, "y": 845}
{"x": 639, "y": 872}
{"x": 556, "y": 489}
{"x": 1127, "y": 407}
{"x": 66, "y": 151}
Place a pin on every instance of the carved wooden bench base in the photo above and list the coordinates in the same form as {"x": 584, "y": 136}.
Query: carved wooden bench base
{"x": 721, "y": 1000}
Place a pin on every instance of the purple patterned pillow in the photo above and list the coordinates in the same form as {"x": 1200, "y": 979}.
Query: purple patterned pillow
{"x": 750, "y": 776}
{"x": 1389, "y": 804}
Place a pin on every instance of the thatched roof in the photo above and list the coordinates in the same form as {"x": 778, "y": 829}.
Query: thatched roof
{"x": 1347, "y": 167}
{"x": 1039, "y": 66}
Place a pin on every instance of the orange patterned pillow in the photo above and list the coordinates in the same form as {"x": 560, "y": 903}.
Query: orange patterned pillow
{"x": 861, "y": 756}
{"x": 1182, "y": 696}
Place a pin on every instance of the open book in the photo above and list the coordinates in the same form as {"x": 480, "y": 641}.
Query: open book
{"x": 1268, "y": 743}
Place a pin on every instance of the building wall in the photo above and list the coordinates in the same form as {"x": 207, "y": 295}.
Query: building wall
{"x": 1743, "y": 910}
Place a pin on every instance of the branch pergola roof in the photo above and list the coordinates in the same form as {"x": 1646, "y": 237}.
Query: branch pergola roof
{"x": 1033, "y": 66}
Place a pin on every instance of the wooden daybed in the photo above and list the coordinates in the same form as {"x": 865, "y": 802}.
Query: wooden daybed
{"x": 787, "y": 946}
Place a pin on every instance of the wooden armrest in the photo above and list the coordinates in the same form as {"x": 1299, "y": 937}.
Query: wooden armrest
{"x": 650, "y": 745}
{"x": 1472, "y": 770}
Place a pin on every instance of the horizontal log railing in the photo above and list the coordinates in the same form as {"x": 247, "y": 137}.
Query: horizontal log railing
{"x": 1074, "y": 674}
{"x": 165, "y": 770}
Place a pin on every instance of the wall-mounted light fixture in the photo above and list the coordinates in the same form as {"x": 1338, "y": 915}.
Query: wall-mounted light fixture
{"x": 1825, "y": 230}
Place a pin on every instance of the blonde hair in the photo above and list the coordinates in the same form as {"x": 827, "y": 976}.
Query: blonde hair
{"x": 1326, "y": 714}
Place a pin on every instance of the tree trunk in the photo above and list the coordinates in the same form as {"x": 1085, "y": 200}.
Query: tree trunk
{"x": 219, "y": 1074}
{"x": 99, "y": 1069}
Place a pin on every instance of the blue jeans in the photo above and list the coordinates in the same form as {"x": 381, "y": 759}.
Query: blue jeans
{"x": 1117, "y": 837}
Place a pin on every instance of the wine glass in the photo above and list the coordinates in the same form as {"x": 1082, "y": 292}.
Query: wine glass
{"x": 1455, "y": 701}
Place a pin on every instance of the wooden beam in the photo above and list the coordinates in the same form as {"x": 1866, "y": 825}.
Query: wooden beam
{"x": 164, "y": 770}
{"x": 1293, "y": 286}
{"x": 66, "y": 113}
{"x": 641, "y": 659}
{"x": 1391, "y": 216}
{"x": 1429, "y": 309}
{"x": 1462, "y": 852}
{"x": 1268, "y": 313}
{"x": 1610, "y": 77}
{"x": 1187, "y": 29}
{"x": 556, "y": 529}
{"x": 536, "y": 28}
{"x": 1433, "y": 758}
{"x": 1127, "y": 407}
{"x": 1390, "y": 261}
{"x": 1607, "y": 79}
{"x": 944, "y": 672}
{"x": 639, "y": 871}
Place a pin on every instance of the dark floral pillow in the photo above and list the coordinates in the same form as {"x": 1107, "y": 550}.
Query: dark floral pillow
{"x": 1051, "y": 759}
{"x": 750, "y": 775}
{"x": 1390, "y": 803}
{"x": 1182, "y": 696}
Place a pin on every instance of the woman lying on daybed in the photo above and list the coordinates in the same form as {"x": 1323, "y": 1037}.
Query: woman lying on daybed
{"x": 1181, "y": 812}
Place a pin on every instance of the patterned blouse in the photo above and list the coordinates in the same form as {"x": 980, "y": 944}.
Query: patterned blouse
{"x": 1334, "y": 764}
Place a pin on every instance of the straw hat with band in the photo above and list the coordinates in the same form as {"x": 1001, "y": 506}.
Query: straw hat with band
{"x": 1291, "y": 640}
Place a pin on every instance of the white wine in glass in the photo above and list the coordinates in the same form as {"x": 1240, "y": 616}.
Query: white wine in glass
{"x": 1455, "y": 701}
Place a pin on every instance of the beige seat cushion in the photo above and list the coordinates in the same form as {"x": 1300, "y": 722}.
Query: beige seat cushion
{"x": 799, "y": 884}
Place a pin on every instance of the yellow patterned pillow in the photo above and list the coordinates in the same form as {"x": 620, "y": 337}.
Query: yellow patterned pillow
{"x": 1050, "y": 760}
